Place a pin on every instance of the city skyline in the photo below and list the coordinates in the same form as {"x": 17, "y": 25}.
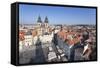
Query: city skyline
{"x": 28, "y": 14}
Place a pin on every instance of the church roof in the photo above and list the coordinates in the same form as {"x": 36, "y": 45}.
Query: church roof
{"x": 39, "y": 20}
{"x": 46, "y": 19}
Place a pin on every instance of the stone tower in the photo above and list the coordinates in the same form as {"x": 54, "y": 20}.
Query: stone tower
{"x": 39, "y": 24}
{"x": 46, "y": 23}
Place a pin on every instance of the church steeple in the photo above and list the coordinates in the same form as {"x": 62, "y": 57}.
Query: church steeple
{"x": 39, "y": 20}
{"x": 46, "y": 20}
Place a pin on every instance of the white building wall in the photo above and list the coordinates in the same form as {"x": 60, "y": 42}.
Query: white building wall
{"x": 28, "y": 40}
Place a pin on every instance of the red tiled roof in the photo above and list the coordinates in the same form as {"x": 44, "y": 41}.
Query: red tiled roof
{"x": 63, "y": 35}
{"x": 21, "y": 36}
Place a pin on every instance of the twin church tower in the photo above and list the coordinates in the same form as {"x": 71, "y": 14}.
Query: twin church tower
{"x": 43, "y": 26}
